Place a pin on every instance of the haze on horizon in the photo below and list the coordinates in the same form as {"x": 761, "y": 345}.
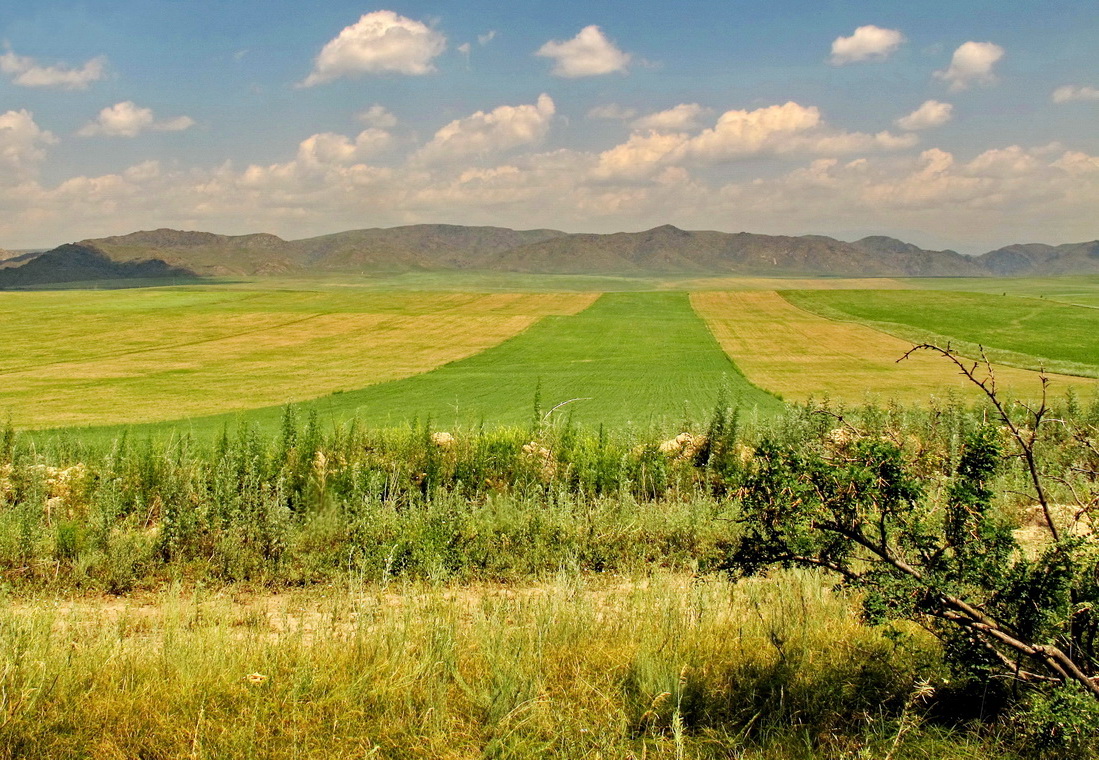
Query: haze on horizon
{"x": 964, "y": 125}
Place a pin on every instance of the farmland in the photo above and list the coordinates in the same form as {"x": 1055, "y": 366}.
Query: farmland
{"x": 95, "y": 357}
{"x": 800, "y": 355}
{"x": 500, "y": 518}
{"x": 1025, "y": 332}
{"x": 388, "y": 351}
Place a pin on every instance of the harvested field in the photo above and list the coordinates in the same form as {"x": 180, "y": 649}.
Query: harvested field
{"x": 798, "y": 354}
{"x": 146, "y": 356}
{"x": 1030, "y": 333}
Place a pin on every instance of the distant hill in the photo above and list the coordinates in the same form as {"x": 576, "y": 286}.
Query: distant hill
{"x": 661, "y": 250}
{"x": 1036, "y": 258}
{"x": 15, "y": 258}
{"x": 73, "y": 263}
{"x": 670, "y": 250}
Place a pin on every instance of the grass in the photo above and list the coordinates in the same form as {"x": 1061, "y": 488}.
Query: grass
{"x": 354, "y": 592}
{"x": 643, "y": 359}
{"x": 569, "y": 667}
{"x": 800, "y": 355}
{"x": 69, "y": 358}
{"x": 1030, "y": 333}
{"x": 1079, "y": 289}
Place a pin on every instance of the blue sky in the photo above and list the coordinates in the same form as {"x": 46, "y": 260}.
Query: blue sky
{"x": 966, "y": 124}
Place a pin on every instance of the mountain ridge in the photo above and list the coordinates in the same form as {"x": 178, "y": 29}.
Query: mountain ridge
{"x": 77, "y": 263}
{"x": 663, "y": 250}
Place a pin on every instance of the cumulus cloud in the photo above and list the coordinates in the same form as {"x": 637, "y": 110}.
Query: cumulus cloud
{"x": 868, "y": 43}
{"x": 683, "y": 117}
{"x": 27, "y": 72}
{"x": 22, "y": 142}
{"x": 1069, "y": 92}
{"x": 482, "y": 133}
{"x": 487, "y": 37}
{"x": 972, "y": 64}
{"x": 377, "y": 43}
{"x": 787, "y": 128}
{"x": 129, "y": 120}
{"x": 612, "y": 112}
{"x": 587, "y": 54}
{"x": 774, "y": 130}
{"x": 328, "y": 148}
{"x": 1003, "y": 194}
{"x": 378, "y": 116}
{"x": 931, "y": 114}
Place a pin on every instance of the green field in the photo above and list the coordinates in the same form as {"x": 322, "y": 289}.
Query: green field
{"x": 1082, "y": 289}
{"x": 643, "y": 359}
{"x": 1030, "y": 333}
{"x": 475, "y": 348}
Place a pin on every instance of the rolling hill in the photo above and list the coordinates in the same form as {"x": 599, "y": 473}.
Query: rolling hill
{"x": 665, "y": 250}
{"x": 75, "y": 263}
{"x": 1036, "y": 258}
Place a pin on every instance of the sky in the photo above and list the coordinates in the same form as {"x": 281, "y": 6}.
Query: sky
{"x": 964, "y": 124}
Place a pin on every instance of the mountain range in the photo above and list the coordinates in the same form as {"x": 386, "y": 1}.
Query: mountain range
{"x": 74, "y": 263}
{"x": 664, "y": 250}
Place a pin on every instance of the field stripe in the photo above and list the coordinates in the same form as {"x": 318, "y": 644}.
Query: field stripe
{"x": 643, "y": 359}
{"x": 287, "y": 356}
{"x": 797, "y": 354}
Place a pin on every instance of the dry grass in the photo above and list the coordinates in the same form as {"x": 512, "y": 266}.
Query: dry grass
{"x": 194, "y": 353}
{"x": 784, "y": 283}
{"x": 796, "y": 354}
{"x": 576, "y": 667}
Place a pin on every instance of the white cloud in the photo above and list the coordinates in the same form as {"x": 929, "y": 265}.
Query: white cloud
{"x": 587, "y": 54}
{"x": 378, "y": 116}
{"x": 868, "y": 43}
{"x": 26, "y": 72}
{"x": 378, "y": 42}
{"x": 641, "y": 156}
{"x": 487, "y": 37}
{"x": 931, "y": 114}
{"x": 328, "y": 148}
{"x": 482, "y": 133}
{"x": 1069, "y": 92}
{"x": 465, "y": 49}
{"x": 682, "y": 117}
{"x": 612, "y": 112}
{"x": 1075, "y": 162}
{"x": 1012, "y": 161}
{"x": 788, "y": 129}
{"x": 972, "y": 64}
{"x": 22, "y": 142}
{"x": 129, "y": 120}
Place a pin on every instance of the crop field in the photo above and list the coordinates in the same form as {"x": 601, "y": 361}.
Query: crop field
{"x": 800, "y": 355}
{"x": 644, "y": 359}
{"x": 649, "y": 353}
{"x": 95, "y": 357}
{"x": 1031, "y": 333}
{"x": 1082, "y": 289}
{"x": 456, "y": 572}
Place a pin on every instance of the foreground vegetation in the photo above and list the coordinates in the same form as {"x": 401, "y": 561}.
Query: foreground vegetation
{"x": 664, "y": 666}
{"x": 541, "y": 590}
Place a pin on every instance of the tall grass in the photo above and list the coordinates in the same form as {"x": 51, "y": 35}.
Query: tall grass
{"x": 664, "y": 667}
{"x": 312, "y": 504}
{"x": 543, "y": 591}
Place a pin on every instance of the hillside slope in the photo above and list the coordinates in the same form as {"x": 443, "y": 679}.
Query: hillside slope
{"x": 81, "y": 263}
{"x": 661, "y": 250}
{"x": 1037, "y": 258}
